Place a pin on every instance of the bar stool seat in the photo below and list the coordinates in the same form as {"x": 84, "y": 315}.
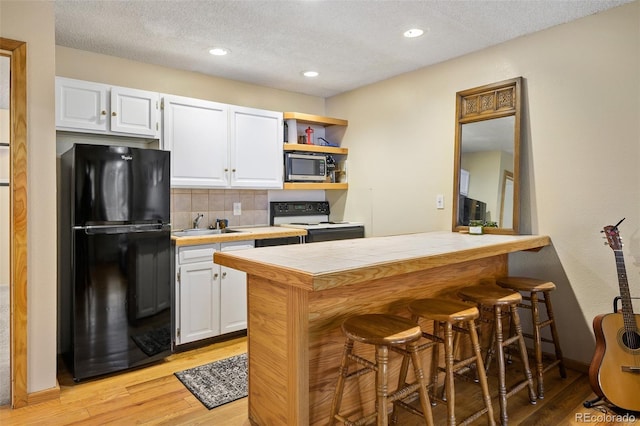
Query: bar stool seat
{"x": 449, "y": 315}
{"x": 525, "y": 284}
{"x": 500, "y": 299}
{"x": 538, "y": 290}
{"x": 443, "y": 310}
{"x": 489, "y": 295}
{"x": 384, "y": 332}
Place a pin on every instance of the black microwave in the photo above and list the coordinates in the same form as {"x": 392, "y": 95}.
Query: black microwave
{"x": 304, "y": 167}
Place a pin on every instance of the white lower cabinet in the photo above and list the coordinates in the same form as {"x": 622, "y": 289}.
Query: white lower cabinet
{"x": 210, "y": 299}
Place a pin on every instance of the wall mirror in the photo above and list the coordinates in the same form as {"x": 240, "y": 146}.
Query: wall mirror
{"x": 487, "y": 157}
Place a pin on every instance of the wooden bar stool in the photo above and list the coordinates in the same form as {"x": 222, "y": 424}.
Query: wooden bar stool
{"x": 384, "y": 332}
{"x": 535, "y": 289}
{"x": 498, "y": 298}
{"x": 449, "y": 316}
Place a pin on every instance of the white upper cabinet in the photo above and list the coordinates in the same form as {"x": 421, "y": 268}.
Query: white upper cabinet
{"x": 84, "y": 106}
{"x": 81, "y": 105}
{"x": 195, "y": 132}
{"x": 256, "y": 148}
{"x": 135, "y": 112}
{"x": 217, "y": 145}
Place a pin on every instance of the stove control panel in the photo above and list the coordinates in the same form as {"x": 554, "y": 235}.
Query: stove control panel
{"x": 298, "y": 208}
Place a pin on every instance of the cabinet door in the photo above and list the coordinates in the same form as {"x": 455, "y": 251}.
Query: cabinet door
{"x": 199, "y": 301}
{"x": 256, "y": 148}
{"x": 233, "y": 293}
{"x": 195, "y": 132}
{"x": 81, "y": 105}
{"x": 134, "y": 112}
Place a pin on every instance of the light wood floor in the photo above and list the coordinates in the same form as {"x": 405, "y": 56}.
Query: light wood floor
{"x": 153, "y": 395}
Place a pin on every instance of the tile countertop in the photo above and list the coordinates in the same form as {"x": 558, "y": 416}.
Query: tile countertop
{"x": 251, "y": 233}
{"x": 329, "y": 264}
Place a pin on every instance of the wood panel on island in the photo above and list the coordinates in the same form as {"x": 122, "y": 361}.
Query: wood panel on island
{"x": 322, "y": 129}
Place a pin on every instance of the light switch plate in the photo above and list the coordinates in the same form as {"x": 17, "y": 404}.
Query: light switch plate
{"x": 440, "y": 201}
{"x": 237, "y": 209}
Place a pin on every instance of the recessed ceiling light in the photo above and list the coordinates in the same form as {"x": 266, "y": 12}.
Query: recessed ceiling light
{"x": 219, "y": 51}
{"x": 414, "y": 32}
{"x": 311, "y": 73}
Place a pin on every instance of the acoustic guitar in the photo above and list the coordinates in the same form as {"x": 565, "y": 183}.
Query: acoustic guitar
{"x": 614, "y": 373}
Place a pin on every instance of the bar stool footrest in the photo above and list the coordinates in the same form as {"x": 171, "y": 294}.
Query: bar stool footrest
{"x": 359, "y": 422}
{"x": 517, "y": 388}
{"x": 473, "y": 417}
{"x": 510, "y": 341}
{"x": 408, "y": 407}
{"x": 552, "y": 365}
{"x": 403, "y": 393}
{"x": 364, "y": 362}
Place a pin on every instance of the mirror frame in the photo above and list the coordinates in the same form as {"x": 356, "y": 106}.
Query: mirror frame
{"x": 501, "y": 99}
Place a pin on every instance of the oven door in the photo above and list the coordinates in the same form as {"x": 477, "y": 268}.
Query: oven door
{"x": 331, "y": 234}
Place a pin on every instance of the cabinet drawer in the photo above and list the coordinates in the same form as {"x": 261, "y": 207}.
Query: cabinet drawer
{"x": 238, "y": 245}
{"x": 196, "y": 254}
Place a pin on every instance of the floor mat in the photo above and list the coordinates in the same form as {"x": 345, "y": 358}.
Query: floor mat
{"x": 219, "y": 382}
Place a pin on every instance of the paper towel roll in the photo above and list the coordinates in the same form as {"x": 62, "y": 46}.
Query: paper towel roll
{"x": 292, "y": 128}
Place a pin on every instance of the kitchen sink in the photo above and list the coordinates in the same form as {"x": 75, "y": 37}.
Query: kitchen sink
{"x": 198, "y": 232}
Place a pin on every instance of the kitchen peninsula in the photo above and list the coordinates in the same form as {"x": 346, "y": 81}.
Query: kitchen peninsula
{"x": 298, "y": 297}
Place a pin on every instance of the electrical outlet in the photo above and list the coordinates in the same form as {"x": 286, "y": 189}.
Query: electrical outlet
{"x": 440, "y": 201}
{"x": 237, "y": 209}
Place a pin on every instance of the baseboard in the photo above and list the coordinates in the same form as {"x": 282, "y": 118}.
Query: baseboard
{"x": 44, "y": 395}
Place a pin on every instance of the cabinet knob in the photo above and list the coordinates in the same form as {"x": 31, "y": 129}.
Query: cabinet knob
{"x": 226, "y": 170}
{"x": 233, "y": 170}
{"x": 103, "y": 112}
{"x": 224, "y": 274}
{"x": 215, "y": 276}
{"x": 113, "y": 114}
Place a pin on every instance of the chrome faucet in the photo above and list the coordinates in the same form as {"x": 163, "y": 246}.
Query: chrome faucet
{"x": 196, "y": 221}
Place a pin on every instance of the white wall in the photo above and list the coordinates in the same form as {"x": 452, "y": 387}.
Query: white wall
{"x": 580, "y": 154}
{"x": 33, "y": 23}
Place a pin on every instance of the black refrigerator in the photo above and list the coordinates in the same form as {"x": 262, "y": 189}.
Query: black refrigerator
{"x": 115, "y": 292}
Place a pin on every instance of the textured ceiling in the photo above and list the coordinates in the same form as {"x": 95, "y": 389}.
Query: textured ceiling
{"x": 351, "y": 43}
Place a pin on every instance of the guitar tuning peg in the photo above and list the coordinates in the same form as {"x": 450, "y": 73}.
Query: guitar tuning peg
{"x": 606, "y": 243}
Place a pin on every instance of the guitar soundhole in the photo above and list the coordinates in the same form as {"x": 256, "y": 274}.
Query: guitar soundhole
{"x": 630, "y": 340}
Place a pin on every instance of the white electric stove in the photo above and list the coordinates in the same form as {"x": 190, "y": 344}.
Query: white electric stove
{"x": 314, "y": 217}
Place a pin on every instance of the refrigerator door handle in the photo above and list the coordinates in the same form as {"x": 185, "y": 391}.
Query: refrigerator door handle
{"x": 122, "y": 229}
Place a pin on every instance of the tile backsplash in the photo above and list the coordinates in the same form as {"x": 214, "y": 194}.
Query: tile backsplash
{"x": 214, "y": 204}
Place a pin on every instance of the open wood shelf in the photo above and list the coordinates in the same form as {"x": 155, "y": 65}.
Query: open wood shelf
{"x": 315, "y": 185}
{"x": 314, "y": 119}
{"x": 315, "y": 148}
{"x": 321, "y": 121}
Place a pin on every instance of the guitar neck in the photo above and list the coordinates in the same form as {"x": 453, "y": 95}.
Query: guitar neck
{"x": 625, "y": 295}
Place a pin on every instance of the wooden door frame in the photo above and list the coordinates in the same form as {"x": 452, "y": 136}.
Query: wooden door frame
{"x": 18, "y": 220}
